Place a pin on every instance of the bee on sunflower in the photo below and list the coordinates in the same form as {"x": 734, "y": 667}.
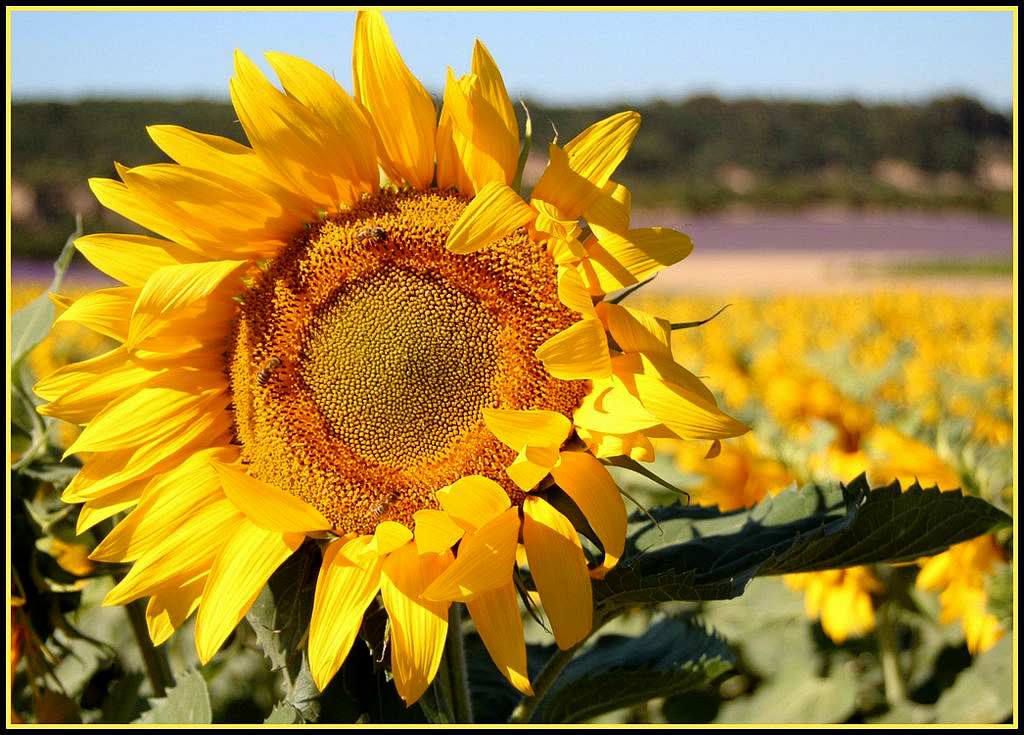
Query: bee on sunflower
{"x": 400, "y": 371}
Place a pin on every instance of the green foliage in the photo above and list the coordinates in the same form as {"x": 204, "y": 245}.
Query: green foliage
{"x": 983, "y": 693}
{"x": 798, "y": 153}
{"x": 698, "y": 553}
{"x": 187, "y": 703}
{"x": 671, "y": 657}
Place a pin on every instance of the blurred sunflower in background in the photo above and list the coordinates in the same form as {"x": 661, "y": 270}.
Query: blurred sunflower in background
{"x": 412, "y": 374}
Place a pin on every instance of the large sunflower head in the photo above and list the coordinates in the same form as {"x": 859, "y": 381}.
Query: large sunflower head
{"x": 356, "y": 331}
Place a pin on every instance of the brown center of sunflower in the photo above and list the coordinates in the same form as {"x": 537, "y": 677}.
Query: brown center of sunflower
{"x": 363, "y": 356}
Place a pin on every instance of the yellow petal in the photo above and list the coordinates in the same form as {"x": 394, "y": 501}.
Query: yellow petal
{"x": 166, "y": 503}
{"x": 496, "y": 617}
{"x": 236, "y": 578}
{"x": 631, "y": 444}
{"x": 344, "y": 589}
{"x": 610, "y": 408}
{"x": 108, "y": 472}
{"x": 171, "y": 605}
{"x": 131, "y": 259}
{"x": 611, "y": 209}
{"x": 574, "y": 293}
{"x": 618, "y": 260}
{"x": 115, "y": 196}
{"x": 188, "y": 549}
{"x": 568, "y": 191}
{"x": 318, "y": 91}
{"x": 517, "y": 428}
{"x": 225, "y": 157}
{"x": 101, "y": 508}
{"x": 559, "y": 570}
{"x": 388, "y": 536}
{"x": 217, "y": 216}
{"x": 418, "y": 626}
{"x": 579, "y": 352}
{"x": 158, "y": 409}
{"x": 492, "y": 89}
{"x": 532, "y": 465}
{"x": 473, "y": 500}
{"x": 636, "y": 331}
{"x": 483, "y": 125}
{"x": 484, "y": 561}
{"x": 435, "y": 531}
{"x": 292, "y": 141}
{"x": 495, "y": 212}
{"x": 587, "y": 482}
{"x": 597, "y": 151}
{"x": 401, "y": 108}
{"x": 267, "y": 506}
{"x": 684, "y": 412}
{"x": 107, "y": 311}
{"x": 171, "y": 289}
{"x": 85, "y": 389}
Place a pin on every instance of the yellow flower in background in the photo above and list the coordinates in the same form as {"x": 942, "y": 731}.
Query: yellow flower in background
{"x": 840, "y": 598}
{"x": 739, "y": 477}
{"x": 959, "y": 576}
{"x": 392, "y": 370}
{"x": 896, "y": 456}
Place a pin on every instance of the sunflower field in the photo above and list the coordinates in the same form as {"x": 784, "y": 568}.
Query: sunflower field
{"x": 375, "y": 431}
{"x": 835, "y": 386}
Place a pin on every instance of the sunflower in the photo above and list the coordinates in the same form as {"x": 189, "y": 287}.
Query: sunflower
{"x": 404, "y": 372}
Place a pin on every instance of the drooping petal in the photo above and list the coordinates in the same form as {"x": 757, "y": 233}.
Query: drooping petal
{"x": 401, "y": 108}
{"x": 236, "y": 578}
{"x": 495, "y": 212}
{"x": 686, "y": 413}
{"x": 587, "y": 482}
{"x": 267, "y": 506}
{"x": 171, "y": 605}
{"x": 484, "y": 562}
{"x": 578, "y": 352}
{"x": 473, "y": 500}
{"x": 518, "y": 428}
{"x": 620, "y": 260}
{"x": 435, "y": 531}
{"x": 347, "y": 584}
{"x": 559, "y": 570}
{"x": 496, "y": 617}
{"x": 636, "y": 331}
{"x": 418, "y": 626}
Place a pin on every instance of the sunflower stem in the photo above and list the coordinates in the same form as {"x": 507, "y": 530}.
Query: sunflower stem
{"x": 895, "y": 687}
{"x": 455, "y": 653}
{"x": 553, "y": 668}
{"x": 157, "y": 668}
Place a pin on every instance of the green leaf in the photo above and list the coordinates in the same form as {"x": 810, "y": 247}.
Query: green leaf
{"x": 793, "y": 695}
{"x": 123, "y": 702}
{"x": 698, "y": 553}
{"x": 187, "y": 703}
{"x": 280, "y": 615}
{"x": 671, "y": 657}
{"x": 1000, "y": 595}
{"x": 984, "y": 692}
{"x": 31, "y": 323}
{"x": 283, "y": 714}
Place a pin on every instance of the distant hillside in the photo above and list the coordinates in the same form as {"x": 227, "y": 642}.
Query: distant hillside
{"x": 700, "y": 154}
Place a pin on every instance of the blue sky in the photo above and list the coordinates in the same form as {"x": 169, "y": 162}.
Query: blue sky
{"x": 565, "y": 56}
